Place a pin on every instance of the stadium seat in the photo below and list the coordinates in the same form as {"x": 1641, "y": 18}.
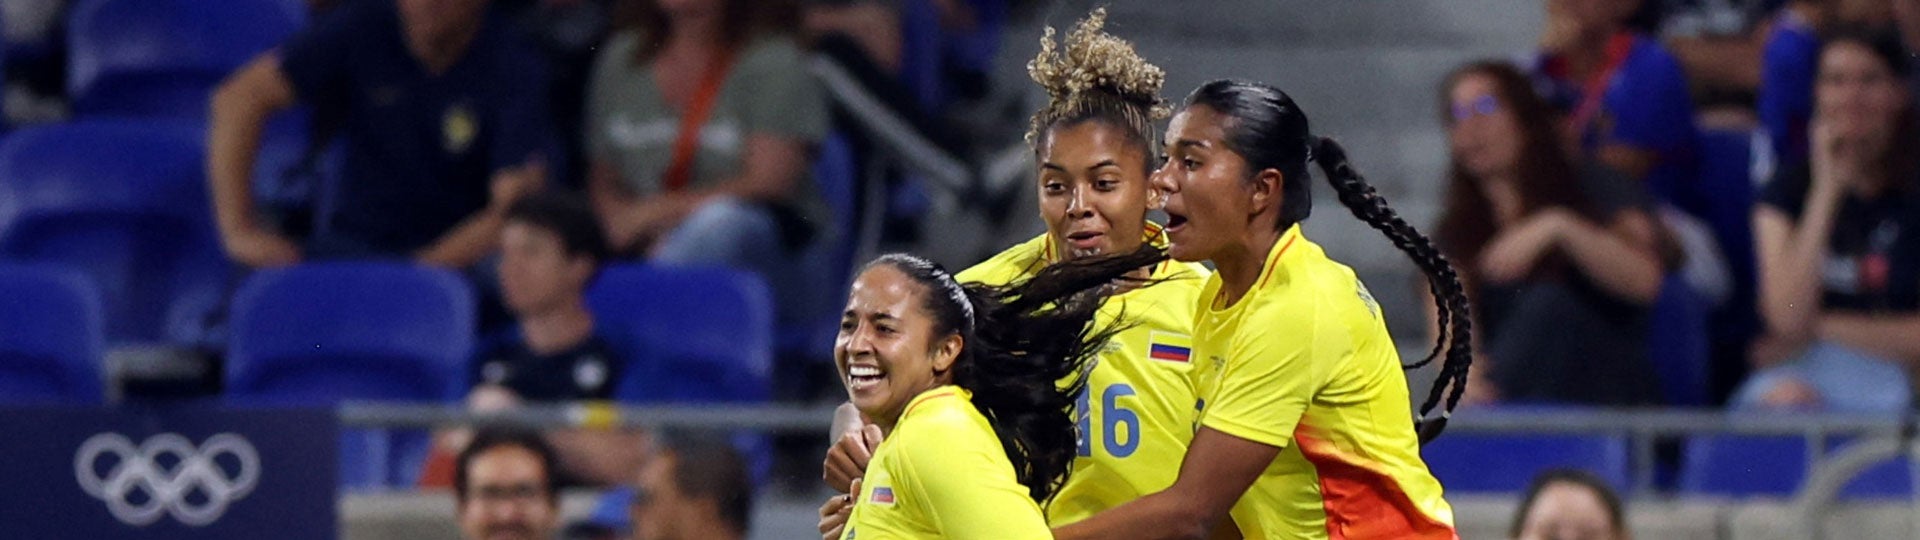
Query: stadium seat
{"x": 1677, "y": 343}
{"x": 1489, "y": 463}
{"x": 320, "y": 334}
{"x": 1891, "y": 478}
{"x": 124, "y": 202}
{"x": 694, "y": 334}
{"x": 161, "y": 58}
{"x": 1743, "y": 466}
{"x": 50, "y": 336}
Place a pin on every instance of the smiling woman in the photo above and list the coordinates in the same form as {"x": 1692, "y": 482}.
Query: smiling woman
{"x": 962, "y": 380}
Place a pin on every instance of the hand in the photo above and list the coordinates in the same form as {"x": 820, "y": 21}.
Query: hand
{"x": 491, "y": 398}
{"x": 509, "y": 185}
{"x": 259, "y": 248}
{"x": 1480, "y": 388}
{"x": 1512, "y": 253}
{"x": 1837, "y": 159}
{"x": 835, "y": 513}
{"x": 847, "y": 461}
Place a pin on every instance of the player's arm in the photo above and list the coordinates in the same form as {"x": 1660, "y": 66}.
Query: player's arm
{"x": 1250, "y": 417}
{"x": 240, "y": 108}
{"x": 1217, "y": 470}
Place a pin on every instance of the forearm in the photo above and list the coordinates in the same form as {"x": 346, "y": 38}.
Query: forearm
{"x": 1615, "y": 265}
{"x": 1157, "y": 516}
{"x": 1790, "y": 286}
{"x": 1892, "y": 337}
{"x": 233, "y": 141}
{"x": 467, "y": 242}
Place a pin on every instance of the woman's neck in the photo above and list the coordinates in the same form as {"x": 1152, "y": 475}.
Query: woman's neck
{"x": 557, "y": 329}
{"x": 695, "y": 32}
{"x": 1587, "y": 50}
{"x": 1240, "y": 266}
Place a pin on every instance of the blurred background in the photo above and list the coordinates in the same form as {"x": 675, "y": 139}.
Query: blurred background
{"x": 270, "y": 266}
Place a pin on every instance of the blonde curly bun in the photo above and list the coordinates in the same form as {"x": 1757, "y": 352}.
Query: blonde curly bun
{"x": 1092, "y": 72}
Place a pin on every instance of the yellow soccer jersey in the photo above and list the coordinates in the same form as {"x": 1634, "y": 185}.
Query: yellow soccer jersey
{"x": 1136, "y": 417}
{"x": 1303, "y": 362}
{"x": 943, "y": 474}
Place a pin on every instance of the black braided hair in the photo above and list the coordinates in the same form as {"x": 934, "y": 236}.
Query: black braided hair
{"x": 1270, "y": 132}
{"x": 1019, "y": 341}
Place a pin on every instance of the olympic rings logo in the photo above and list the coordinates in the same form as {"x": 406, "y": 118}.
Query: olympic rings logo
{"x": 143, "y": 469}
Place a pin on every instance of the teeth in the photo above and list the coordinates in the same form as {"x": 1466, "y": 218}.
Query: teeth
{"x": 863, "y": 371}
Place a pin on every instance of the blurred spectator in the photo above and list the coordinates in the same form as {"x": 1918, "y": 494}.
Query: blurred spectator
{"x": 551, "y": 248}
{"x": 1624, "y": 97}
{"x": 701, "y": 122}
{"x": 1787, "y": 66}
{"x": 873, "y": 26}
{"x": 1562, "y": 260}
{"x": 504, "y": 488}
{"x": 439, "y": 105}
{"x": 1906, "y": 16}
{"x": 1839, "y": 243}
{"x": 696, "y": 488}
{"x": 1569, "y": 504}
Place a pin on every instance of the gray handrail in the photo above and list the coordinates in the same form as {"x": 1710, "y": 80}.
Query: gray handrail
{"x": 1830, "y": 475}
{"x": 894, "y": 134}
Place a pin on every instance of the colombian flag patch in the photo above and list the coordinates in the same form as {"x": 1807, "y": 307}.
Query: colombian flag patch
{"x": 1169, "y": 347}
{"x": 882, "y": 496}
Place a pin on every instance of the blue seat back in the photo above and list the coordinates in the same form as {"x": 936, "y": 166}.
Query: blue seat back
{"x": 164, "y": 57}
{"x": 694, "y": 334}
{"x": 1487, "y": 463}
{"x": 50, "y": 336}
{"x": 1743, "y": 466}
{"x": 124, "y": 202}
{"x": 1677, "y": 342}
{"x": 321, "y": 333}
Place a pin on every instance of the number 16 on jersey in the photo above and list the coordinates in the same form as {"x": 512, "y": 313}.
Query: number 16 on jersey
{"x": 1115, "y": 418}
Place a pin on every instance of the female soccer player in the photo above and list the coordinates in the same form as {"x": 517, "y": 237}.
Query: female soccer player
{"x": 1093, "y": 148}
{"x": 1303, "y": 428}
{"x": 965, "y": 383}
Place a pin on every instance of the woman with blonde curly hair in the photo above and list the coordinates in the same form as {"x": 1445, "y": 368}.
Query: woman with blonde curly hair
{"x": 1093, "y": 150}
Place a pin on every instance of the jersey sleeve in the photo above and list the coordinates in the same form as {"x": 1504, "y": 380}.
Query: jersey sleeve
{"x": 1274, "y": 367}
{"x": 968, "y": 493}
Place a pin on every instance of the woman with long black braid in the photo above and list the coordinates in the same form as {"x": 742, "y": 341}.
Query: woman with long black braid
{"x": 1303, "y": 428}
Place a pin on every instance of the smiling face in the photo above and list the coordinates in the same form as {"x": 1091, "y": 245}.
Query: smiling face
{"x": 1210, "y": 201}
{"x": 1094, "y": 191}
{"x": 890, "y": 348}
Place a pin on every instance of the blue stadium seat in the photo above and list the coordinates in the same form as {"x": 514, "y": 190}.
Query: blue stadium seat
{"x": 695, "y": 334}
{"x": 1743, "y": 466}
{"x": 1487, "y": 463}
{"x": 1891, "y": 478}
{"x": 163, "y": 57}
{"x": 320, "y": 334}
{"x": 1677, "y": 342}
{"x": 124, "y": 202}
{"x": 50, "y": 336}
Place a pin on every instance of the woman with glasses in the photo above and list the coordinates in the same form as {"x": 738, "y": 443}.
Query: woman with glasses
{"x": 1561, "y": 259}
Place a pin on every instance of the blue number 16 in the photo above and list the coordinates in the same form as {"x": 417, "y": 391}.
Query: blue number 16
{"x": 1112, "y": 416}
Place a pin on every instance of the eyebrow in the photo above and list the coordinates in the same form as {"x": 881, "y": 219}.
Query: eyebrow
{"x": 1109, "y": 162}
{"x": 1185, "y": 143}
{"x": 882, "y": 316}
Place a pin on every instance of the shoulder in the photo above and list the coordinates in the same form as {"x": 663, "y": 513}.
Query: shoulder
{"x": 1009, "y": 265}
{"x": 617, "y": 51}
{"x": 777, "y": 53}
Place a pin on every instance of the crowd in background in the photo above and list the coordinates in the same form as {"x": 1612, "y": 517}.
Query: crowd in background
{"x": 527, "y": 143}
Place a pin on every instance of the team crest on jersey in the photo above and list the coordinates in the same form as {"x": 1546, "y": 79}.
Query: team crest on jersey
{"x": 458, "y": 128}
{"x": 882, "y": 496}
{"x": 1169, "y": 347}
{"x": 1367, "y": 297}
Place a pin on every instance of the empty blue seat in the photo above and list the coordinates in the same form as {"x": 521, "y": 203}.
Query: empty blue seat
{"x": 324, "y": 333}
{"x": 50, "y": 342}
{"x": 1891, "y": 478}
{"x": 124, "y": 202}
{"x": 164, "y": 57}
{"x": 1475, "y": 462}
{"x": 694, "y": 334}
{"x": 1743, "y": 466}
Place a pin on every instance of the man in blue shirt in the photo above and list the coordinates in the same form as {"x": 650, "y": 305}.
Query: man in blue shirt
{"x": 441, "y": 108}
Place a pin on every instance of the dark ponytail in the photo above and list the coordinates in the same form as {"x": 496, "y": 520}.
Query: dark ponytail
{"x": 1019, "y": 342}
{"x": 1269, "y": 131}
{"x": 1456, "y": 327}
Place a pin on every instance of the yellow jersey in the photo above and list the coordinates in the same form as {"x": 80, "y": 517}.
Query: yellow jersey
{"x": 1135, "y": 417}
{"x": 942, "y": 473}
{"x": 1303, "y": 362}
